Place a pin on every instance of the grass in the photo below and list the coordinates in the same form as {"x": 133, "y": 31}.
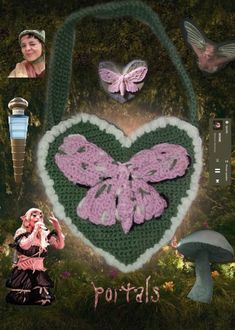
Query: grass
{"x": 75, "y": 297}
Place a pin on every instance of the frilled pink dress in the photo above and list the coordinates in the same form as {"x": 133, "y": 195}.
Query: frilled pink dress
{"x": 29, "y": 282}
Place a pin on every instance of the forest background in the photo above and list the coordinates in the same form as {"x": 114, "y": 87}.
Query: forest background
{"x": 74, "y": 268}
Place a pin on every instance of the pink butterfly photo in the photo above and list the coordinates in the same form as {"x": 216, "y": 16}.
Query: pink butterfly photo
{"x": 122, "y": 83}
{"x": 211, "y": 56}
{"x": 120, "y": 192}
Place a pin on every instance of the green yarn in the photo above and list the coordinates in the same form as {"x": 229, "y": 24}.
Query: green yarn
{"x": 60, "y": 66}
{"x": 126, "y": 248}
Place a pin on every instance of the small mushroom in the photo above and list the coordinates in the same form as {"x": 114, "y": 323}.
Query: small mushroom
{"x": 205, "y": 247}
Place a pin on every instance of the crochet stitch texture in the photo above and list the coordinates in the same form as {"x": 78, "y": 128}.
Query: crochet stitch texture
{"x": 125, "y": 248}
{"x": 120, "y": 192}
{"x": 131, "y": 251}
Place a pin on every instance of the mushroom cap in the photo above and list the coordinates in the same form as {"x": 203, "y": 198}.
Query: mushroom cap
{"x": 216, "y": 245}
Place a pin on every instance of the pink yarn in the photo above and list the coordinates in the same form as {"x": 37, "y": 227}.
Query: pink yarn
{"x": 27, "y": 242}
{"x": 120, "y": 191}
{"x": 122, "y": 82}
{"x": 34, "y": 263}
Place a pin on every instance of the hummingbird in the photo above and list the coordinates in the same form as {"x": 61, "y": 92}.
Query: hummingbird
{"x": 211, "y": 56}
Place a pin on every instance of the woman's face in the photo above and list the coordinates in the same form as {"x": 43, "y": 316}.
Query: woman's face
{"x": 36, "y": 216}
{"x": 31, "y": 48}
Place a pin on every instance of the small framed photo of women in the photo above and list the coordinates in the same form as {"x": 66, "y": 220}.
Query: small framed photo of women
{"x": 32, "y": 65}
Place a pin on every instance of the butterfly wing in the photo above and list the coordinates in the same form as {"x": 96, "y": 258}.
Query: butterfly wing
{"x": 114, "y": 79}
{"x": 83, "y": 162}
{"x": 110, "y": 76}
{"x": 99, "y": 204}
{"x": 134, "y": 74}
{"x": 194, "y": 37}
{"x": 150, "y": 204}
{"x": 162, "y": 162}
{"x": 138, "y": 201}
{"x": 227, "y": 50}
{"x": 129, "y": 203}
{"x": 125, "y": 206}
{"x": 133, "y": 77}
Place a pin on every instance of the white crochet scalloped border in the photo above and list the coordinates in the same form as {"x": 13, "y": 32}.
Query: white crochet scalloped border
{"x": 160, "y": 122}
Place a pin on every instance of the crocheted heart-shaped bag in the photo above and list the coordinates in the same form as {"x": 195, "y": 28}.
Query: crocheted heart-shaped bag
{"x": 124, "y": 196}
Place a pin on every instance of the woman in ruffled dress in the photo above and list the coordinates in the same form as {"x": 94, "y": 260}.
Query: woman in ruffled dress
{"x": 32, "y": 44}
{"x": 29, "y": 282}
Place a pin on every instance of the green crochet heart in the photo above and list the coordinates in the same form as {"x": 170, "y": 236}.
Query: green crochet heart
{"x": 125, "y": 251}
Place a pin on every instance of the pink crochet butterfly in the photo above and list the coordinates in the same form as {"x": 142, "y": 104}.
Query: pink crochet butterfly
{"x": 120, "y": 191}
{"x": 122, "y": 81}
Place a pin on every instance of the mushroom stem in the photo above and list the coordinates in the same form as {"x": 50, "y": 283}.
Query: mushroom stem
{"x": 203, "y": 287}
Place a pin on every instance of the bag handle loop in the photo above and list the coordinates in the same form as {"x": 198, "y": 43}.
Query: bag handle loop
{"x": 60, "y": 66}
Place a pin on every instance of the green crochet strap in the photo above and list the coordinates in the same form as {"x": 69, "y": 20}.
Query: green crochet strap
{"x": 60, "y": 67}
